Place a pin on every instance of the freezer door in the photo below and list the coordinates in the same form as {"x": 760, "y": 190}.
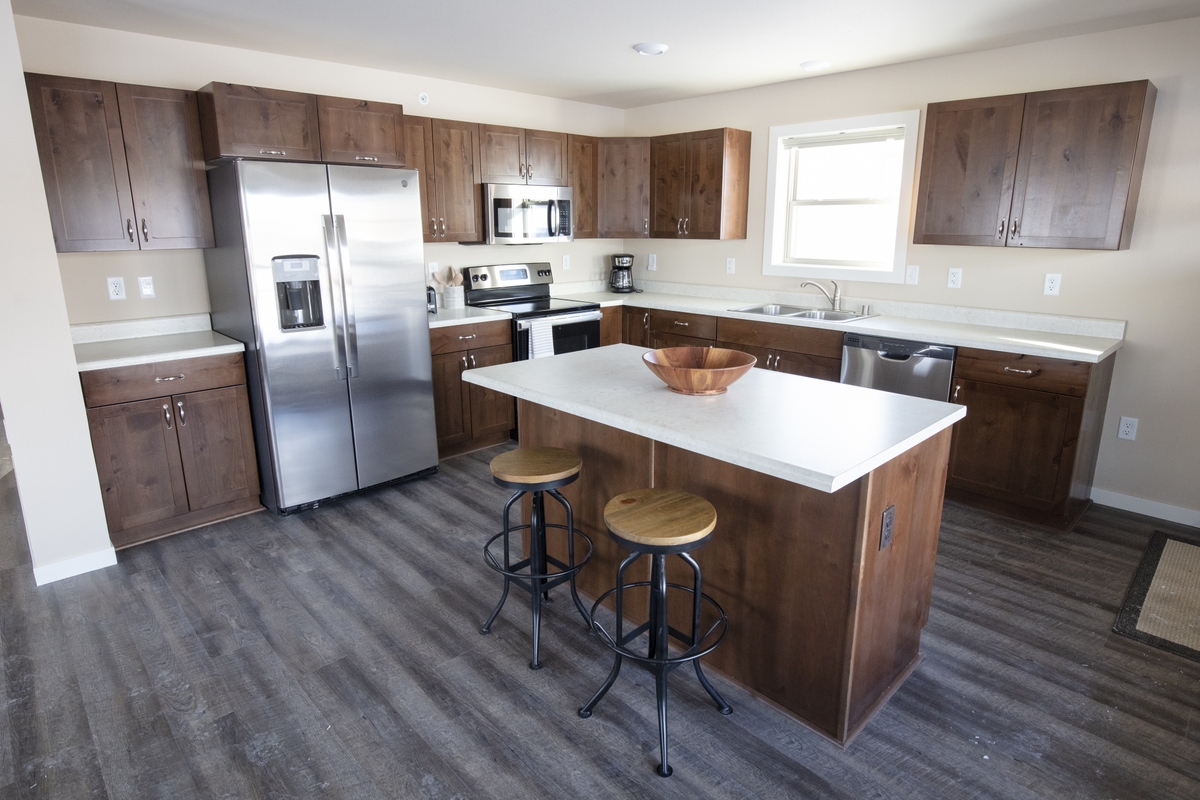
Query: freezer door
{"x": 286, "y": 209}
{"x": 377, "y": 217}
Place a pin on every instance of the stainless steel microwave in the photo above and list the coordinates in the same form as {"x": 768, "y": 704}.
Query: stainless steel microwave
{"x": 515, "y": 214}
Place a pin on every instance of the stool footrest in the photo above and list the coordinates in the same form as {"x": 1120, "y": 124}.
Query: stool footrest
{"x": 704, "y": 645}
{"x": 514, "y": 570}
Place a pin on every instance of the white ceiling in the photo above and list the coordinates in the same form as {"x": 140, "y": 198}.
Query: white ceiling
{"x": 582, "y": 51}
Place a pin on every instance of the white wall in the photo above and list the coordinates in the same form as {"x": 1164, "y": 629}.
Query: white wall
{"x": 1155, "y": 285}
{"x": 39, "y": 387}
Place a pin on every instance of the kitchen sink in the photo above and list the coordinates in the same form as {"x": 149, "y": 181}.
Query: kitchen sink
{"x": 830, "y": 316}
{"x": 772, "y": 310}
{"x": 795, "y": 312}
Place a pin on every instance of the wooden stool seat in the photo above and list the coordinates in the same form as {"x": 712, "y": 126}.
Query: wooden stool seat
{"x": 660, "y": 517}
{"x": 536, "y": 465}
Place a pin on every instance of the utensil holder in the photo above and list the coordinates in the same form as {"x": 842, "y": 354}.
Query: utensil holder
{"x": 453, "y": 297}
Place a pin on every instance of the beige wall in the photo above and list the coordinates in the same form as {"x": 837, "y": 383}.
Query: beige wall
{"x": 39, "y": 386}
{"x": 1155, "y": 285}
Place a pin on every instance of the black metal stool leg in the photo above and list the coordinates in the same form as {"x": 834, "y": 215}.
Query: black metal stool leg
{"x": 659, "y": 649}
{"x": 537, "y": 556}
{"x": 722, "y": 706}
{"x": 487, "y": 626}
{"x": 590, "y": 705}
{"x": 571, "y": 555}
{"x": 660, "y": 686}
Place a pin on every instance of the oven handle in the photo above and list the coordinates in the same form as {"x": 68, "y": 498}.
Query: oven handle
{"x": 561, "y": 319}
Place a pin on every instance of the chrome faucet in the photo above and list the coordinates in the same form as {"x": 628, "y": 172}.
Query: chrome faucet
{"x": 835, "y": 301}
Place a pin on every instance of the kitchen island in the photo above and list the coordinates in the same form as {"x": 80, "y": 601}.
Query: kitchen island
{"x": 825, "y": 613}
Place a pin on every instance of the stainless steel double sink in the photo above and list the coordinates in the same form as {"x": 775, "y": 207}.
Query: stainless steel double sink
{"x": 795, "y": 312}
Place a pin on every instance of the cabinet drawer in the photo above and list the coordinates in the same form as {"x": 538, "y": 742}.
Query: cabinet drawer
{"x": 660, "y": 340}
{"x": 1030, "y": 372}
{"x": 681, "y": 324}
{"x": 776, "y": 336}
{"x": 106, "y": 387}
{"x": 453, "y": 338}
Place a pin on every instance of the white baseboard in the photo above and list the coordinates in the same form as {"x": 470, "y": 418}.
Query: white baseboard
{"x": 1151, "y": 508}
{"x": 74, "y": 566}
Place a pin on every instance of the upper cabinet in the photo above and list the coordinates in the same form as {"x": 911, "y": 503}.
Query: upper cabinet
{"x": 444, "y": 153}
{"x": 623, "y": 190}
{"x": 516, "y": 155}
{"x": 361, "y": 132}
{"x": 700, "y": 184}
{"x": 122, "y": 165}
{"x": 250, "y": 122}
{"x": 1049, "y": 169}
{"x": 582, "y": 159}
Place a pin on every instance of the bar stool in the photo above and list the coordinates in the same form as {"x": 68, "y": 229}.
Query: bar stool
{"x": 660, "y": 522}
{"x": 538, "y": 472}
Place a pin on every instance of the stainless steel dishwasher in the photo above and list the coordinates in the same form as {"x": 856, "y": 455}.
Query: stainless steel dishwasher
{"x": 897, "y": 365}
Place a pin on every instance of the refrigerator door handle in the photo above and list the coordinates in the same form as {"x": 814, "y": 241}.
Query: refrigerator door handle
{"x": 339, "y": 225}
{"x": 335, "y": 289}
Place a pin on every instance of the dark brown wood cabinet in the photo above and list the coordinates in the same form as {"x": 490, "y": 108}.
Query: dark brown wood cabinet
{"x": 171, "y": 462}
{"x": 361, "y": 132}
{"x": 517, "y": 155}
{"x": 635, "y": 326}
{"x": 251, "y": 122}
{"x": 794, "y": 349}
{"x": 1029, "y": 442}
{"x": 444, "y": 152}
{"x": 623, "y": 188}
{"x": 582, "y": 174}
{"x": 680, "y": 329}
{"x": 122, "y": 165}
{"x": 1048, "y": 169}
{"x": 612, "y": 321}
{"x": 469, "y": 417}
{"x": 699, "y": 185}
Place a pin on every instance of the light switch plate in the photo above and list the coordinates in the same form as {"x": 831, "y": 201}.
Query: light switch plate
{"x": 911, "y": 274}
{"x": 116, "y": 288}
{"x": 888, "y": 527}
{"x": 730, "y": 265}
{"x": 652, "y": 262}
{"x": 954, "y": 278}
{"x": 146, "y": 286}
{"x": 566, "y": 263}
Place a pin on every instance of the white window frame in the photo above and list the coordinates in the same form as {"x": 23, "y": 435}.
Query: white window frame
{"x": 775, "y": 233}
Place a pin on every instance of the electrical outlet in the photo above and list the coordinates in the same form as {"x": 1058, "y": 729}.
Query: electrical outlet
{"x": 566, "y": 263}
{"x": 730, "y": 265}
{"x": 433, "y": 267}
{"x": 1052, "y": 284}
{"x": 116, "y": 288}
{"x": 652, "y": 262}
{"x": 1127, "y": 428}
{"x": 954, "y": 278}
{"x": 888, "y": 528}
{"x": 911, "y": 274}
{"x": 146, "y": 286}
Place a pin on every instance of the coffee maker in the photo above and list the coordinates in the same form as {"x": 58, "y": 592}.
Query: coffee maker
{"x": 621, "y": 278}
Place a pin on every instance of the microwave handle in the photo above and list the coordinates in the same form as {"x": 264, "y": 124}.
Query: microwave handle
{"x": 552, "y": 207}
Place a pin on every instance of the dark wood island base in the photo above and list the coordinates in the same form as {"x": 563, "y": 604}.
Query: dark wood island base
{"x": 824, "y": 623}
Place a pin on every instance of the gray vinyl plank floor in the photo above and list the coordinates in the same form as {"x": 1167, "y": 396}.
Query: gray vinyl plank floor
{"x": 335, "y": 653}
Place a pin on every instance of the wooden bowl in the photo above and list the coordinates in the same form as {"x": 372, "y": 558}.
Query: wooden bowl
{"x": 698, "y": 370}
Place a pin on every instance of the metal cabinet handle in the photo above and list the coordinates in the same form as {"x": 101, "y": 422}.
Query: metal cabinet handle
{"x": 167, "y": 414}
{"x": 472, "y": 336}
{"x": 365, "y": 158}
{"x": 679, "y": 227}
{"x": 273, "y": 152}
{"x": 443, "y": 219}
{"x": 646, "y": 321}
{"x": 521, "y": 170}
{"x": 464, "y": 362}
{"x": 685, "y": 225}
{"x": 472, "y": 360}
{"x": 1019, "y": 371}
{"x": 433, "y": 225}
{"x": 1014, "y": 228}
{"x": 681, "y": 324}
{"x": 646, "y": 225}
{"x": 182, "y": 417}
{"x": 528, "y": 172}
{"x": 145, "y": 231}
{"x": 129, "y": 230}
{"x": 1002, "y": 226}
{"x": 954, "y": 399}
{"x": 178, "y": 377}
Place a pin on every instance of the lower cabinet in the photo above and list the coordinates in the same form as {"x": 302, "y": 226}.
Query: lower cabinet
{"x": 794, "y": 349}
{"x": 659, "y": 340}
{"x": 470, "y": 417}
{"x": 172, "y": 462}
{"x": 612, "y": 321}
{"x": 635, "y": 326}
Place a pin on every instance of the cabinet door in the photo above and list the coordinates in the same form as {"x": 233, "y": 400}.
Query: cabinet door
{"x": 623, "y": 190}
{"x": 247, "y": 121}
{"x": 137, "y": 459}
{"x": 451, "y": 403}
{"x": 582, "y": 156}
{"x": 501, "y": 154}
{"x": 1079, "y": 166}
{"x": 636, "y": 327}
{"x": 455, "y": 145}
{"x": 361, "y": 132}
{"x": 706, "y": 162}
{"x": 418, "y": 155}
{"x": 166, "y": 167}
{"x": 827, "y": 369}
{"x": 216, "y": 441}
{"x": 491, "y": 412}
{"x": 1014, "y": 444}
{"x": 967, "y": 171}
{"x": 611, "y": 323}
{"x": 78, "y": 130}
{"x": 765, "y": 357}
{"x": 545, "y": 158}
{"x": 669, "y": 186}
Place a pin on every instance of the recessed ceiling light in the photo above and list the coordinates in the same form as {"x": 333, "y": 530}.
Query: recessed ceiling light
{"x": 815, "y": 66}
{"x": 650, "y": 48}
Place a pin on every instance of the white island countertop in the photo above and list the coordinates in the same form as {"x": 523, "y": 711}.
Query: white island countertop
{"x": 815, "y": 433}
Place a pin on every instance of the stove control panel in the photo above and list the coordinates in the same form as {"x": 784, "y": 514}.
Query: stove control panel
{"x": 501, "y": 276}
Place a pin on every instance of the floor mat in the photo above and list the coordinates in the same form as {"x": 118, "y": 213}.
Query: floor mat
{"x": 1162, "y": 606}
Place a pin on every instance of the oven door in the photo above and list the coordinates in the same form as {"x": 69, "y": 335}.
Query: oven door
{"x": 527, "y": 214}
{"x": 555, "y": 335}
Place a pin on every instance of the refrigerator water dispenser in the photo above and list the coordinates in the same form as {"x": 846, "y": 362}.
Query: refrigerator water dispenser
{"x": 298, "y": 289}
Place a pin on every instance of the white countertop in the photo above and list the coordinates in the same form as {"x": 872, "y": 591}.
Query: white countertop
{"x": 1073, "y": 347}
{"x": 149, "y": 349}
{"x": 446, "y": 317}
{"x": 819, "y": 434}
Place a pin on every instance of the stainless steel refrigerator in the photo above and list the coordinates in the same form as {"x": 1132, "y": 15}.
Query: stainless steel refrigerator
{"x": 319, "y": 271}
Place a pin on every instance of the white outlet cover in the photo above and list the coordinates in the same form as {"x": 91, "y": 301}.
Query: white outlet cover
{"x": 433, "y": 267}
{"x": 731, "y": 265}
{"x": 954, "y": 278}
{"x": 116, "y": 288}
{"x": 911, "y": 273}
{"x": 146, "y": 286}
{"x": 566, "y": 263}
{"x": 1053, "y": 283}
{"x": 652, "y": 262}
{"x": 1128, "y": 428}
